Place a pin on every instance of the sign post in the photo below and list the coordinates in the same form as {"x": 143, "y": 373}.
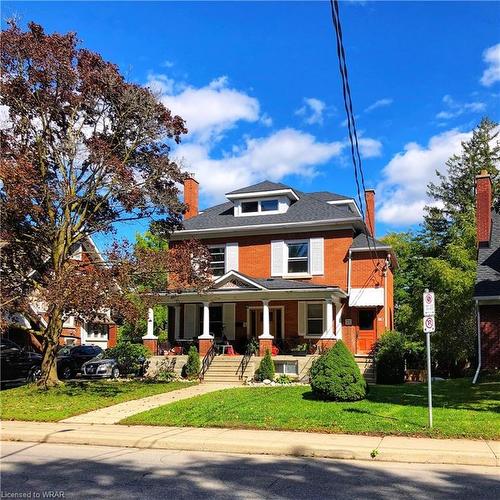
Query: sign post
{"x": 429, "y": 327}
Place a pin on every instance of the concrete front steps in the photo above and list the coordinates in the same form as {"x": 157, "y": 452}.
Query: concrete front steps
{"x": 228, "y": 369}
{"x": 366, "y": 366}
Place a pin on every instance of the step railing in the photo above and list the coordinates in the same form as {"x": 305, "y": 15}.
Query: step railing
{"x": 249, "y": 352}
{"x": 207, "y": 361}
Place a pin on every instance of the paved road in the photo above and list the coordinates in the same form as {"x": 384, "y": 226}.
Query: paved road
{"x": 123, "y": 473}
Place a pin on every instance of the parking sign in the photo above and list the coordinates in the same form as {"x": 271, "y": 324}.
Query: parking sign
{"x": 429, "y": 308}
{"x": 429, "y": 324}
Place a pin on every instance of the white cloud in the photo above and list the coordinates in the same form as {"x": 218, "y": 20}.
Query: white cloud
{"x": 287, "y": 151}
{"x": 455, "y": 109}
{"x": 491, "y": 56}
{"x": 402, "y": 192}
{"x": 312, "y": 111}
{"x": 381, "y": 103}
{"x": 369, "y": 148}
{"x": 266, "y": 120}
{"x": 209, "y": 110}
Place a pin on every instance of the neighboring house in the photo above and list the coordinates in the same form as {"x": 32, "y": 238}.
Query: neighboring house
{"x": 487, "y": 289}
{"x": 289, "y": 268}
{"x": 75, "y": 332}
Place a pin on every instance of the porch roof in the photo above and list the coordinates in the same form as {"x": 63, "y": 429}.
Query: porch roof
{"x": 236, "y": 286}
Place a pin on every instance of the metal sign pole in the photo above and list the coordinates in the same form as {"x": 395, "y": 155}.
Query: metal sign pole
{"x": 429, "y": 376}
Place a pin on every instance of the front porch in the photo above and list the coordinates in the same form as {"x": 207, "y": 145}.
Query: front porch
{"x": 280, "y": 315}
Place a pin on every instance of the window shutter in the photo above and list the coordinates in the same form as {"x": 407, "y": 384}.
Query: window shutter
{"x": 231, "y": 257}
{"x": 316, "y": 246}
{"x": 190, "y": 321}
{"x": 277, "y": 257}
{"x": 302, "y": 318}
{"x": 228, "y": 317}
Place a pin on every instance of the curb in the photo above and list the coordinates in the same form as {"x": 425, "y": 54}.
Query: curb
{"x": 345, "y": 447}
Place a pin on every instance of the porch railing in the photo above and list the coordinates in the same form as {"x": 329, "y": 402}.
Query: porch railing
{"x": 207, "y": 361}
{"x": 249, "y": 352}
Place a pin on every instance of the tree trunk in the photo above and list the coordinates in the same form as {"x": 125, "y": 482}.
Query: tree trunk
{"x": 49, "y": 365}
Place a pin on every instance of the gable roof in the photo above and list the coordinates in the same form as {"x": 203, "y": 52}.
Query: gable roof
{"x": 261, "y": 186}
{"x": 488, "y": 263}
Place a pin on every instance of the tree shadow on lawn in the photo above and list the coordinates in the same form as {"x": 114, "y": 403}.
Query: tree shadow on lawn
{"x": 457, "y": 394}
{"x": 132, "y": 473}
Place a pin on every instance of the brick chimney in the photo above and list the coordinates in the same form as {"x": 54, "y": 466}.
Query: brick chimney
{"x": 370, "y": 211}
{"x": 191, "y": 197}
{"x": 483, "y": 208}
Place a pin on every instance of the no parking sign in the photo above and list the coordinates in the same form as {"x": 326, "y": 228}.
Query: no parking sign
{"x": 429, "y": 324}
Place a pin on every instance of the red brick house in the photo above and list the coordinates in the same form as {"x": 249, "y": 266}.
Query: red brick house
{"x": 289, "y": 268}
{"x": 487, "y": 288}
{"x": 75, "y": 332}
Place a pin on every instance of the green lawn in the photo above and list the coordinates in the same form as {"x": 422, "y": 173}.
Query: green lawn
{"x": 74, "y": 398}
{"x": 460, "y": 410}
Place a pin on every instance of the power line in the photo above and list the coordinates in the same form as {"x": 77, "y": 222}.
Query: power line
{"x": 351, "y": 122}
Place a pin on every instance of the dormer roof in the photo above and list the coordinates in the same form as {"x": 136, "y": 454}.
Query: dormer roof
{"x": 261, "y": 189}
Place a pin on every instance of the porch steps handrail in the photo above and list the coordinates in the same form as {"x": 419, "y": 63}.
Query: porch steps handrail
{"x": 207, "y": 361}
{"x": 245, "y": 361}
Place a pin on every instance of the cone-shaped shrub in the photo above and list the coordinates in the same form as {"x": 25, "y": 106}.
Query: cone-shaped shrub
{"x": 336, "y": 376}
{"x": 266, "y": 367}
{"x": 193, "y": 365}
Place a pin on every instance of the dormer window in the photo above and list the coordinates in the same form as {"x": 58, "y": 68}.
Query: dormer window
{"x": 269, "y": 205}
{"x": 249, "y": 207}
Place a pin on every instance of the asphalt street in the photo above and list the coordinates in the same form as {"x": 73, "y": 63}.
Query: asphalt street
{"x": 30, "y": 470}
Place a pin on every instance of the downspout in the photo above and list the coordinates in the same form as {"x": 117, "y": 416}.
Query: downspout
{"x": 349, "y": 274}
{"x": 478, "y": 319}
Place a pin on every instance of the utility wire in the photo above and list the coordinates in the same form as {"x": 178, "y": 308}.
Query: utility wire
{"x": 351, "y": 123}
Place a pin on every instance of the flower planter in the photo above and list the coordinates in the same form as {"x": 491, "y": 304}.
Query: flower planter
{"x": 296, "y": 352}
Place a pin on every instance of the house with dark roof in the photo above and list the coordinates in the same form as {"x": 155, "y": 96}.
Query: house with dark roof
{"x": 487, "y": 287}
{"x": 291, "y": 270}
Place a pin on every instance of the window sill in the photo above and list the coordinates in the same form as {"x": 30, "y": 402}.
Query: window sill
{"x": 297, "y": 276}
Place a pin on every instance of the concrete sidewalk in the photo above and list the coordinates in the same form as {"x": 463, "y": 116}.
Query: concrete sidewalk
{"x": 343, "y": 446}
{"x": 113, "y": 414}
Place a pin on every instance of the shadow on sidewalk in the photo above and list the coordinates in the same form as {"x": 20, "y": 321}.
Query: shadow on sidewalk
{"x": 128, "y": 473}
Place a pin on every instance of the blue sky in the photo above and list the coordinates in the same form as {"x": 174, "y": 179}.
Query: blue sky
{"x": 258, "y": 84}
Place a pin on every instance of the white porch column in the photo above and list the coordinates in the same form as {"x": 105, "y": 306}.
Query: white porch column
{"x": 338, "y": 320}
{"x": 206, "y": 322}
{"x": 328, "y": 332}
{"x": 266, "y": 332}
{"x": 151, "y": 325}
{"x": 177, "y": 321}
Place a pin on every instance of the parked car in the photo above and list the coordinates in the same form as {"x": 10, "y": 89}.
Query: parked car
{"x": 101, "y": 367}
{"x": 17, "y": 364}
{"x": 71, "y": 359}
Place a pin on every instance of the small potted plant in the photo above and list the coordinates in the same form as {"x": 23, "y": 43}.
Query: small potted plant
{"x": 300, "y": 350}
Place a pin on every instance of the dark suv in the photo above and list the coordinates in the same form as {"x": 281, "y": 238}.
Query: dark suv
{"x": 71, "y": 359}
{"x": 18, "y": 364}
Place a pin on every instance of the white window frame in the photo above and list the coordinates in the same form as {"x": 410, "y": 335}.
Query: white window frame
{"x": 286, "y": 258}
{"x": 223, "y": 261}
{"x": 283, "y": 204}
{"x": 315, "y": 335}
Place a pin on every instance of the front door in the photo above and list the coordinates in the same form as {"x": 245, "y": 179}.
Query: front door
{"x": 367, "y": 332}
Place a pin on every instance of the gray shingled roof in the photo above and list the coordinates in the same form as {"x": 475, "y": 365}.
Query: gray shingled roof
{"x": 488, "y": 264}
{"x": 327, "y": 196}
{"x": 364, "y": 241}
{"x": 261, "y": 186}
{"x": 307, "y": 209}
{"x": 281, "y": 284}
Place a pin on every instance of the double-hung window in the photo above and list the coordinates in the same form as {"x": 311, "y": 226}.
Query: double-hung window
{"x": 217, "y": 262}
{"x": 298, "y": 257}
{"x": 314, "y": 319}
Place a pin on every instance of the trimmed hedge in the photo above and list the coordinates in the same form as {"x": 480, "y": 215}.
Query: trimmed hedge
{"x": 266, "y": 367}
{"x": 335, "y": 375}
{"x": 192, "y": 367}
{"x": 390, "y": 358}
{"x": 131, "y": 358}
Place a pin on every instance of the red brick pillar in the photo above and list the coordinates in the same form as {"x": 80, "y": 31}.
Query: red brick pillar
{"x": 205, "y": 345}
{"x": 112, "y": 335}
{"x": 151, "y": 345}
{"x": 324, "y": 344}
{"x": 265, "y": 344}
